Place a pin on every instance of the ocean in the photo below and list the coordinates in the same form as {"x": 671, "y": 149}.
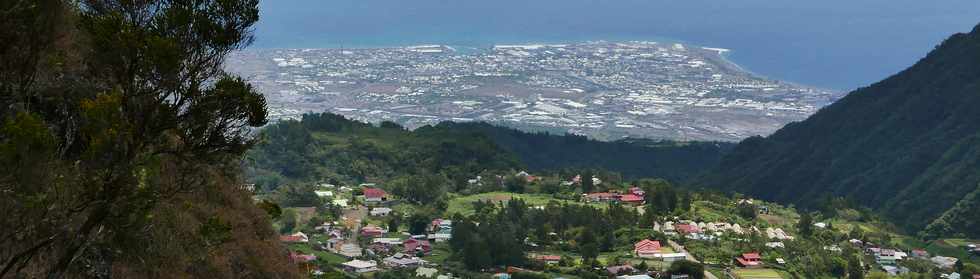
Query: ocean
{"x": 834, "y": 44}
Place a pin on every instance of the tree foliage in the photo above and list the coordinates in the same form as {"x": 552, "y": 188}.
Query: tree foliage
{"x": 116, "y": 118}
{"x": 693, "y": 269}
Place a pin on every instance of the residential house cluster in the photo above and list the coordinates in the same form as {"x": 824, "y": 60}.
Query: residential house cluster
{"x": 699, "y": 231}
{"x": 634, "y": 195}
{"x": 890, "y": 259}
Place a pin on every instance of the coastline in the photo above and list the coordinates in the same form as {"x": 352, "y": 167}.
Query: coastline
{"x": 724, "y": 55}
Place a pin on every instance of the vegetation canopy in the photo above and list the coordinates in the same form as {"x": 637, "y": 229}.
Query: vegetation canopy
{"x": 119, "y": 130}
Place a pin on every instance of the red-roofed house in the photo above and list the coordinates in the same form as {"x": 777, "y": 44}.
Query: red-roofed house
{"x": 687, "y": 228}
{"x": 294, "y": 238}
{"x": 646, "y": 248}
{"x": 300, "y": 258}
{"x": 372, "y": 231}
{"x": 749, "y": 260}
{"x": 374, "y": 195}
{"x": 548, "y": 259}
{"x": 413, "y": 246}
{"x": 631, "y": 198}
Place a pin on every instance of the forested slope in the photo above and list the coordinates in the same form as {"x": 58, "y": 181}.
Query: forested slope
{"x": 908, "y": 146}
{"x": 327, "y": 146}
{"x": 634, "y": 158}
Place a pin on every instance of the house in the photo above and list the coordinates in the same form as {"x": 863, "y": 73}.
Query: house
{"x": 333, "y": 243}
{"x": 299, "y": 237}
{"x": 687, "y": 228}
{"x": 919, "y": 253}
{"x": 899, "y": 255}
{"x": 671, "y": 257}
{"x": 372, "y": 231}
{"x": 669, "y": 229}
{"x": 350, "y": 250}
{"x": 359, "y": 266}
{"x": 388, "y": 241}
{"x": 620, "y": 270}
{"x": 400, "y": 260}
{"x": 440, "y": 224}
{"x": 885, "y": 257}
{"x": 631, "y": 198}
{"x": 379, "y": 249}
{"x": 380, "y": 211}
{"x": 548, "y": 259}
{"x": 375, "y": 195}
{"x": 323, "y": 193}
{"x": 749, "y": 260}
{"x": 440, "y": 230}
{"x": 414, "y": 246}
{"x": 300, "y": 258}
{"x": 440, "y": 236}
{"x": 646, "y": 248}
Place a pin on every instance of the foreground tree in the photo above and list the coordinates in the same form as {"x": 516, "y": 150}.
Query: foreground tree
{"x": 113, "y": 111}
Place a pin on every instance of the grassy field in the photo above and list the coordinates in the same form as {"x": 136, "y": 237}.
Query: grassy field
{"x": 440, "y": 252}
{"x": 464, "y": 204}
{"x": 762, "y": 273}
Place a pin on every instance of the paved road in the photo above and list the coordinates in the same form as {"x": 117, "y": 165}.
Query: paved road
{"x": 680, "y": 249}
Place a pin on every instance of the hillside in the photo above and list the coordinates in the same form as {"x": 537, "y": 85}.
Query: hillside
{"x": 908, "y": 146}
{"x": 331, "y": 147}
{"x": 634, "y": 158}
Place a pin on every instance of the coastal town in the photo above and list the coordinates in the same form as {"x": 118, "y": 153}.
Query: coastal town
{"x": 365, "y": 230}
{"x": 605, "y": 90}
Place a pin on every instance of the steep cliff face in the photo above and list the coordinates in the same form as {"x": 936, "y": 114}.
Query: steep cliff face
{"x": 908, "y": 145}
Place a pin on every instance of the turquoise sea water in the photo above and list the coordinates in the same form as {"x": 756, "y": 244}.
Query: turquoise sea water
{"x": 838, "y": 44}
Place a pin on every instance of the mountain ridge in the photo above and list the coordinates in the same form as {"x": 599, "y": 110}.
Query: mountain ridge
{"x": 890, "y": 145}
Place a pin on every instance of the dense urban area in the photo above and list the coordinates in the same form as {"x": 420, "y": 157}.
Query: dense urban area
{"x": 604, "y": 90}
